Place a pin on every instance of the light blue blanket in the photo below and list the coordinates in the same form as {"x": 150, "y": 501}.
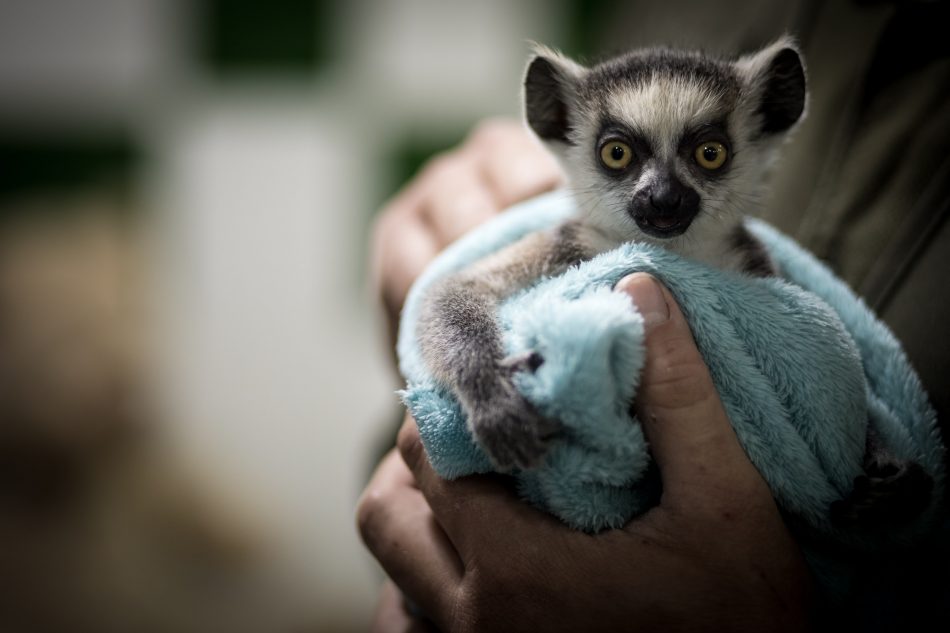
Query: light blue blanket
{"x": 802, "y": 365}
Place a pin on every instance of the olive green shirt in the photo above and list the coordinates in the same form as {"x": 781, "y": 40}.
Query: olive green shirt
{"x": 864, "y": 182}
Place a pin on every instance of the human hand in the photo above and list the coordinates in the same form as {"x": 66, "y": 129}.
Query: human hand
{"x": 391, "y": 615}
{"x": 713, "y": 555}
{"x": 499, "y": 164}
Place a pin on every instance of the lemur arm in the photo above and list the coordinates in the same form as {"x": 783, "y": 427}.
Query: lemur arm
{"x": 461, "y": 343}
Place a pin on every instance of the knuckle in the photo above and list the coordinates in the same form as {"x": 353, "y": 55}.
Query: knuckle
{"x": 442, "y": 166}
{"x": 410, "y": 445}
{"x": 490, "y": 132}
{"x": 370, "y": 514}
{"x": 386, "y": 225}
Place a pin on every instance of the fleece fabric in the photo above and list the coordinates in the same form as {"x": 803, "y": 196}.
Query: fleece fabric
{"x": 802, "y": 365}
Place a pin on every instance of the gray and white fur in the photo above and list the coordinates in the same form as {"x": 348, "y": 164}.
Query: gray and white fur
{"x": 663, "y": 146}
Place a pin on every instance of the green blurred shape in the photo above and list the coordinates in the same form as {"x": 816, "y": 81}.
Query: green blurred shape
{"x": 584, "y": 19}
{"x": 39, "y": 164}
{"x": 253, "y": 36}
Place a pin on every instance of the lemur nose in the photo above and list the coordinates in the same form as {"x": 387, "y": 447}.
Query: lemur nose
{"x": 666, "y": 201}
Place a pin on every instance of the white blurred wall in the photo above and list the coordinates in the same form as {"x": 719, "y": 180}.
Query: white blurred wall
{"x": 270, "y": 373}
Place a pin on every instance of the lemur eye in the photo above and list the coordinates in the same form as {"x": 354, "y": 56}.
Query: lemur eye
{"x": 711, "y": 155}
{"x": 616, "y": 155}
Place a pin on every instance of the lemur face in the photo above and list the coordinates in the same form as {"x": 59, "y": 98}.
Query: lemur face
{"x": 659, "y": 143}
{"x": 661, "y": 151}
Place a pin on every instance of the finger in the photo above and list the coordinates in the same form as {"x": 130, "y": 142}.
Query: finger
{"x": 457, "y": 197}
{"x": 478, "y": 513}
{"x": 398, "y": 527}
{"x": 513, "y": 163}
{"x": 403, "y": 245}
{"x": 690, "y": 435}
{"x": 391, "y": 615}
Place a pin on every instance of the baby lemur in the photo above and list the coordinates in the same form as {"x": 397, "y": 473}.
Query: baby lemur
{"x": 662, "y": 146}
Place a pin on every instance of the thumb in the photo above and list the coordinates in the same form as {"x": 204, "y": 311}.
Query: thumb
{"x": 691, "y": 438}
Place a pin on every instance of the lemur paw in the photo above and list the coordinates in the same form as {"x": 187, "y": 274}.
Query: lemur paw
{"x": 512, "y": 432}
{"x": 889, "y": 493}
{"x": 528, "y": 361}
{"x": 508, "y": 427}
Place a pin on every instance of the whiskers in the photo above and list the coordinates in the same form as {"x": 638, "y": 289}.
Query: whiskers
{"x": 593, "y": 200}
{"x": 708, "y": 238}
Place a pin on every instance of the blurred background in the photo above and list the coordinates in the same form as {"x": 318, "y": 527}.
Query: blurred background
{"x": 194, "y": 380}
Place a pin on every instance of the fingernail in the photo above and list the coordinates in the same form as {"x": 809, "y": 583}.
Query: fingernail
{"x": 647, "y": 295}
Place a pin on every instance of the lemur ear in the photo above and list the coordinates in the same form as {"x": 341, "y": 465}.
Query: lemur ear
{"x": 550, "y": 94}
{"x": 776, "y": 77}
